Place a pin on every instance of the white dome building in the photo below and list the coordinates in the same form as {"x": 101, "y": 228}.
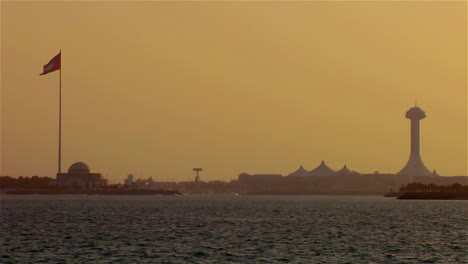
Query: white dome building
{"x": 80, "y": 177}
{"x": 79, "y": 167}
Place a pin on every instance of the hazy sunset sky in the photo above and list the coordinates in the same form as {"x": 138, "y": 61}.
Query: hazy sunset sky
{"x": 158, "y": 88}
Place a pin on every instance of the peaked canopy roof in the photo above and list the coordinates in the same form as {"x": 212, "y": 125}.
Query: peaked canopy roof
{"x": 344, "y": 171}
{"x": 299, "y": 172}
{"x": 322, "y": 170}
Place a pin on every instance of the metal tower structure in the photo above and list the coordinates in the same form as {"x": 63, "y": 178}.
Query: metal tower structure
{"x": 197, "y": 178}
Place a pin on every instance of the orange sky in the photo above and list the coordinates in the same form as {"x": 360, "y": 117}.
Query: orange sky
{"x": 157, "y": 88}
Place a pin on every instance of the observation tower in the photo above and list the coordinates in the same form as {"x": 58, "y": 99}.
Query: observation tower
{"x": 415, "y": 165}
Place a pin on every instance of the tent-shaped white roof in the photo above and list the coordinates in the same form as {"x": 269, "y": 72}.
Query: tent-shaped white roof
{"x": 344, "y": 171}
{"x": 435, "y": 174}
{"x": 299, "y": 172}
{"x": 322, "y": 170}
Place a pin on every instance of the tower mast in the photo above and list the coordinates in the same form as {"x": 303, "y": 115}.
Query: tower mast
{"x": 60, "y": 120}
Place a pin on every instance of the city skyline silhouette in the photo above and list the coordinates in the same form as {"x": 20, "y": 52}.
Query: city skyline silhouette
{"x": 233, "y": 131}
{"x": 156, "y": 89}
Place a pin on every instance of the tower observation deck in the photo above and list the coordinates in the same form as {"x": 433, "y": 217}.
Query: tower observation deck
{"x": 415, "y": 165}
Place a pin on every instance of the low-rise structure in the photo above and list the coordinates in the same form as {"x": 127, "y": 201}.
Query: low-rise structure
{"x": 79, "y": 176}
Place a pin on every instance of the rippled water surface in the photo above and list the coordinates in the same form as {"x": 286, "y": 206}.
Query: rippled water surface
{"x": 231, "y": 229}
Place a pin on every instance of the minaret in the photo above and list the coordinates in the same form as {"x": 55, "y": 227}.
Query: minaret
{"x": 415, "y": 166}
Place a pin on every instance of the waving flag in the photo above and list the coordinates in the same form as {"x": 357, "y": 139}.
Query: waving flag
{"x": 56, "y": 64}
{"x": 53, "y": 65}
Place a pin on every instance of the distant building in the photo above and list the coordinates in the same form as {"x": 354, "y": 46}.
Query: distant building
{"x": 415, "y": 165}
{"x": 324, "y": 180}
{"x": 322, "y": 170}
{"x": 144, "y": 184}
{"x": 301, "y": 172}
{"x": 79, "y": 176}
{"x": 129, "y": 180}
{"x": 244, "y": 177}
{"x": 345, "y": 171}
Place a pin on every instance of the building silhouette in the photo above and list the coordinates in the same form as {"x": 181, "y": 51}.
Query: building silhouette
{"x": 322, "y": 170}
{"x": 301, "y": 172}
{"x": 415, "y": 165}
{"x": 345, "y": 171}
{"x": 79, "y": 176}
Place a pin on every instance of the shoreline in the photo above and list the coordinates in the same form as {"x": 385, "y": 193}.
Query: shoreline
{"x": 433, "y": 196}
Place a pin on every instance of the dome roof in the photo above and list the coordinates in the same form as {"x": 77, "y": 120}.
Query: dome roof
{"x": 299, "y": 172}
{"x": 79, "y": 167}
{"x": 322, "y": 170}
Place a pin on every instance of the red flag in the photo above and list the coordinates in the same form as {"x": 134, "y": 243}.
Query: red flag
{"x": 53, "y": 65}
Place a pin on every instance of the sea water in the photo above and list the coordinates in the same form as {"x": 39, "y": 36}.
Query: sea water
{"x": 231, "y": 229}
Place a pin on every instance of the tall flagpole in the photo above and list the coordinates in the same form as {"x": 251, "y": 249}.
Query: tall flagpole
{"x": 60, "y": 118}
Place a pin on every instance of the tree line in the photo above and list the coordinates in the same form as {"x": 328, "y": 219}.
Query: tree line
{"x": 430, "y": 187}
{"x": 34, "y": 182}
